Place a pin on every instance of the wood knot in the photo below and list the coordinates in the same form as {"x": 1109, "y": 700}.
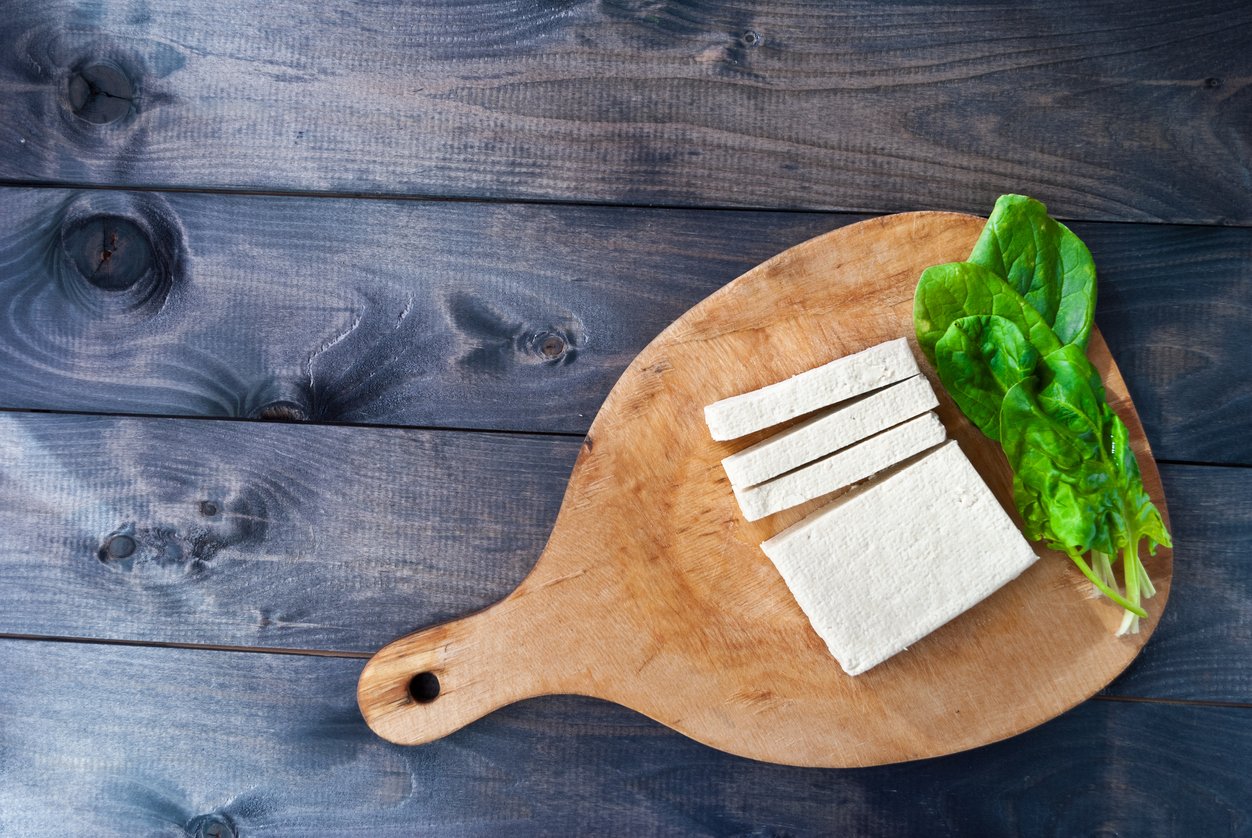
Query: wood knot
{"x": 210, "y": 826}
{"x": 504, "y": 340}
{"x": 119, "y": 547}
{"x": 119, "y": 253}
{"x": 100, "y": 93}
{"x": 288, "y": 400}
{"x": 168, "y": 551}
{"x": 552, "y": 346}
{"x": 751, "y": 39}
{"x": 282, "y": 411}
{"x": 110, "y": 252}
{"x": 1212, "y": 83}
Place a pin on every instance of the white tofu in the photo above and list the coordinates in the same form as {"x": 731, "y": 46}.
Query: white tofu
{"x": 843, "y": 378}
{"x": 829, "y": 431}
{"x": 843, "y": 468}
{"x": 879, "y": 569}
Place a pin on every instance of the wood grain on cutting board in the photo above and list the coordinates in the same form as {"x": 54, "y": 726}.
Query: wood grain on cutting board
{"x": 653, "y": 592}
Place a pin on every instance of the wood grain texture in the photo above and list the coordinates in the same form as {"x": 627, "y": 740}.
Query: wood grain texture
{"x": 861, "y": 106}
{"x": 438, "y": 314}
{"x": 263, "y": 535}
{"x": 343, "y": 538}
{"x": 1203, "y": 647}
{"x": 653, "y": 591}
{"x": 1176, "y": 307}
{"x": 101, "y": 740}
{"x": 449, "y": 314}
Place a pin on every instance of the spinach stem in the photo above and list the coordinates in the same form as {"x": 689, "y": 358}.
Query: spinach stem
{"x": 1130, "y": 558}
{"x": 1103, "y": 568}
{"x": 1105, "y": 589}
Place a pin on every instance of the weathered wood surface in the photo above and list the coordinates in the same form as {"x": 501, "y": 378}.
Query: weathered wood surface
{"x": 1202, "y": 650}
{"x": 101, "y": 740}
{"x": 1100, "y": 109}
{"x": 1176, "y": 307}
{"x": 344, "y": 538}
{"x": 260, "y": 534}
{"x": 451, "y": 314}
{"x": 491, "y": 316}
{"x": 653, "y": 591}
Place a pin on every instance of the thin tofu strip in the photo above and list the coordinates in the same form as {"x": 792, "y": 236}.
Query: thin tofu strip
{"x": 843, "y": 378}
{"x": 879, "y": 569}
{"x": 829, "y": 431}
{"x": 842, "y": 468}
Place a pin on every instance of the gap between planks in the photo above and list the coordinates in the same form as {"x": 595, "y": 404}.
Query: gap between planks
{"x": 402, "y": 427}
{"x": 418, "y": 197}
{"x": 202, "y": 647}
{"x": 311, "y": 423}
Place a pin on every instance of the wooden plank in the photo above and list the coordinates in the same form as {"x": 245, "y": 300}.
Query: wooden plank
{"x": 1100, "y": 113}
{"x": 494, "y": 316}
{"x": 107, "y": 740}
{"x": 1201, "y": 648}
{"x": 263, "y": 535}
{"x": 1176, "y": 307}
{"x": 449, "y": 314}
{"x": 345, "y": 538}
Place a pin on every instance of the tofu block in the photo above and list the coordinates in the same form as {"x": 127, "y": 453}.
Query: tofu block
{"x": 879, "y": 569}
{"x": 841, "y": 379}
{"x": 829, "y": 431}
{"x": 843, "y": 468}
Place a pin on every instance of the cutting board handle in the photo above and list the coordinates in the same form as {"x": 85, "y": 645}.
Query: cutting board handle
{"x": 431, "y": 683}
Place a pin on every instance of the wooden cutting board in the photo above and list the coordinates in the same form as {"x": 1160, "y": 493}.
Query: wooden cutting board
{"x": 653, "y": 592}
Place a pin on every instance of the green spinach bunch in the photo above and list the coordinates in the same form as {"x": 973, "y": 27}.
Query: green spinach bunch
{"x": 1007, "y": 332}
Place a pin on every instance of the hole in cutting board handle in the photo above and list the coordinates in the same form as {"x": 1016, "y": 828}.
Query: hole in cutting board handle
{"x": 424, "y": 687}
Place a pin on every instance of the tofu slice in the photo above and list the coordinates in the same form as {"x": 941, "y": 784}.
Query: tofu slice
{"x": 841, "y": 379}
{"x": 843, "y": 468}
{"x": 829, "y": 431}
{"x": 879, "y": 569}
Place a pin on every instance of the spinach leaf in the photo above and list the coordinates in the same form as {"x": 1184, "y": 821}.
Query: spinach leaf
{"x": 946, "y": 293}
{"x": 1140, "y": 517}
{"x": 1144, "y": 518}
{"x": 979, "y": 358}
{"x": 1075, "y": 314}
{"x": 1058, "y": 501}
{"x": 1044, "y": 262}
{"x": 1076, "y": 482}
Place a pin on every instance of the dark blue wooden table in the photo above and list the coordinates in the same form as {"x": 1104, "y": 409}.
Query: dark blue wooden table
{"x": 304, "y": 308}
